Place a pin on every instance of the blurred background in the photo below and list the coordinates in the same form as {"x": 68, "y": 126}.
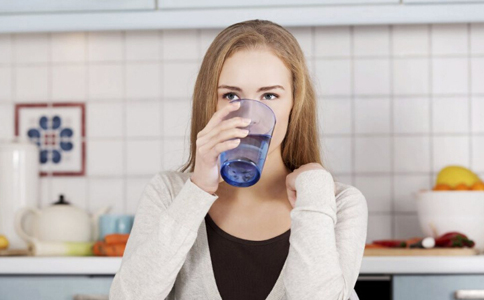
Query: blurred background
{"x": 400, "y": 88}
{"x": 396, "y": 104}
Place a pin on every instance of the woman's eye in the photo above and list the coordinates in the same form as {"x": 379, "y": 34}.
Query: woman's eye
{"x": 229, "y": 94}
{"x": 270, "y": 94}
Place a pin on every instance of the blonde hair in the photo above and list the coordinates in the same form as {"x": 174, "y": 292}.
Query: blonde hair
{"x": 301, "y": 144}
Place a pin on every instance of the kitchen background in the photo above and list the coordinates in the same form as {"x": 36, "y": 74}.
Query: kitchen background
{"x": 396, "y": 104}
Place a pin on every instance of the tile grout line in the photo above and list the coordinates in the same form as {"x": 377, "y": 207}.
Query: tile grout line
{"x": 326, "y": 96}
{"x": 189, "y": 60}
{"x": 125, "y": 123}
{"x": 86, "y": 116}
{"x": 392, "y": 131}
{"x": 13, "y": 79}
{"x": 50, "y": 85}
{"x": 430, "y": 101}
{"x": 352, "y": 106}
{"x": 469, "y": 97}
{"x": 89, "y": 64}
{"x": 162, "y": 99}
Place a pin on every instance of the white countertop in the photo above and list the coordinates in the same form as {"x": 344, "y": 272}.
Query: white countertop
{"x": 92, "y": 265}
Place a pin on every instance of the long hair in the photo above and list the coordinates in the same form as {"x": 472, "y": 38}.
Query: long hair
{"x": 301, "y": 144}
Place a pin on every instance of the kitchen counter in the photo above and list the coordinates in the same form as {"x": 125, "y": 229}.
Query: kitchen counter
{"x": 473, "y": 264}
{"x": 370, "y": 265}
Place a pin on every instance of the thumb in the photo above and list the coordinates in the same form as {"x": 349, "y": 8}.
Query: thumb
{"x": 220, "y": 178}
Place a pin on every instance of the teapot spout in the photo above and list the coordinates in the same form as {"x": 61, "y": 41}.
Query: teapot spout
{"x": 102, "y": 211}
{"x": 95, "y": 221}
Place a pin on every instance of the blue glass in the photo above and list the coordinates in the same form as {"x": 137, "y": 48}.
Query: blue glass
{"x": 249, "y": 157}
{"x": 242, "y": 166}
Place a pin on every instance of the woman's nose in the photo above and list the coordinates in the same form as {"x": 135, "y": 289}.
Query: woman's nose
{"x": 253, "y": 98}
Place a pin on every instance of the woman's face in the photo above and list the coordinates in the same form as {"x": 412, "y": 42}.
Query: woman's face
{"x": 259, "y": 75}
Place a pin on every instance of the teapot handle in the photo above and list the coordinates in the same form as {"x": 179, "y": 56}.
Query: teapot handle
{"x": 19, "y": 216}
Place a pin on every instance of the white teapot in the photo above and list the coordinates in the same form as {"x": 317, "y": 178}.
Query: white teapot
{"x": 60, "y": 222}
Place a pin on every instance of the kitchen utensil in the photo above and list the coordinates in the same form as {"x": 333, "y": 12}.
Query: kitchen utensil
{"x": 445, "y": 211}
{"x": 242, "y": 166}
{"x": 114, "y": 223}
{"x": 19, "y": 177}
{"x": 60, "y": 222}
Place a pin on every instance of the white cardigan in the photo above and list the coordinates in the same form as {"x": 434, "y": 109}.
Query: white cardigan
{"x": 167, "y": 255}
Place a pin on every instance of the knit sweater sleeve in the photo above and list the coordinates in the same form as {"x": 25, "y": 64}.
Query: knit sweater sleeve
{"x": 164, "y": 230}
{"x": 327, "y": 241}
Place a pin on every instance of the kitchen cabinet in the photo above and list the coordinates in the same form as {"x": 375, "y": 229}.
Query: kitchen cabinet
{"x": 92, "y": 15}
{"x": 402, "y": 277}
{"x": 404, "y": 287}
{"x": 53, "y": 287}
{"x": 163, "y": 4}
{"x": 441, "y": 1}
{"x": 442, "y": 287}
{"x": 38, "y": 6}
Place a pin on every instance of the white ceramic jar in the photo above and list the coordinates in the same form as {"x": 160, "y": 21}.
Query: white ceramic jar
{"x": 19, "y": 185}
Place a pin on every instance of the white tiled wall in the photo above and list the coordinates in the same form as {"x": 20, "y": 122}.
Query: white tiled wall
{"x": 396, "y": 104}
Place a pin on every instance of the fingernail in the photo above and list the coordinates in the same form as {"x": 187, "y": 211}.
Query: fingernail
{"x": 247, "y": 121}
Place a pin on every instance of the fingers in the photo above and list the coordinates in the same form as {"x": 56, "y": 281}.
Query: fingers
{"x": 225, "y": 136}
{"x": 211, "y": 153}
{"x": 218, "y": 116}
{"x": 221, "y": 147}
{"x": 220, "y": 178}
{"x": 224, "y": 125}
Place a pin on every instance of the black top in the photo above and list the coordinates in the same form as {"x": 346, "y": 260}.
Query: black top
{"x": 245, "y": 269}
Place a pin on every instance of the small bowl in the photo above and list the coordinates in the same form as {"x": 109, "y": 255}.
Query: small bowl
{"x": 440, "y": 212}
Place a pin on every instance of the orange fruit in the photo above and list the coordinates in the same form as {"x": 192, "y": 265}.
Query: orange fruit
{"x": 478, "y": 186}
{"x": 462, "y": 187}
{"x": 442, "y": 187}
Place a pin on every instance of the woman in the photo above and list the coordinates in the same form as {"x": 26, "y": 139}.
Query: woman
{"x": 296, "y": 234}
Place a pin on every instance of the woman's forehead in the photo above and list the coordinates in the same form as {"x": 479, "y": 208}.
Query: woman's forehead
{"x": 254, "y": 69}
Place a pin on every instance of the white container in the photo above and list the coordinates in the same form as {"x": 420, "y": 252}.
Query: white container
{"x": 19, "y": 181}
{"x": 440, "y": 212}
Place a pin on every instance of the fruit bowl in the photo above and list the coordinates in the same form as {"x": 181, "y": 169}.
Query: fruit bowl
{"x": 444, "y": 211}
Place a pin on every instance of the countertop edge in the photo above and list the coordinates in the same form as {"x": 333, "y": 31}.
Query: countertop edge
{"x": 391, "y": 265}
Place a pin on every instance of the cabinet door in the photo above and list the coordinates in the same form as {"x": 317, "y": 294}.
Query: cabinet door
{"x": 162, "y": 4}
{"x": 52, "y": 287}
{"x": 442, "y": 287}
{"x": 442, "y": 1}
{"x": 37, "y": 6}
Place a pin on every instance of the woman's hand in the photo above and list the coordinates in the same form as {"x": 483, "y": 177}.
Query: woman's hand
{"x": 291, "y": 180}
{"x": 215, "y": 138}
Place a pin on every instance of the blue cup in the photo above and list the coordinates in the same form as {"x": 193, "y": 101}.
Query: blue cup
{"x": 115, "y": 223}
{"x": 242, "y": 166}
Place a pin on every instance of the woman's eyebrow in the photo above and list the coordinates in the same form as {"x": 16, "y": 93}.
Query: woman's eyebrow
{"x": 264, "y": 88}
